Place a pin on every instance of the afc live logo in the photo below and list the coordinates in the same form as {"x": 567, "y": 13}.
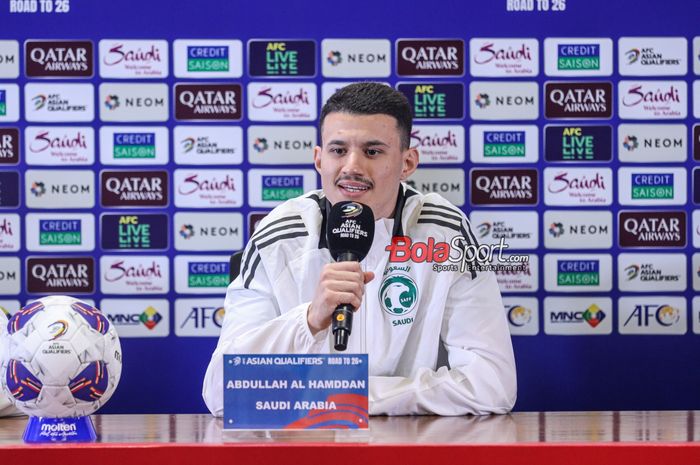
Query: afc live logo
{"x": 435, "y": 100}
{"x": 282, "y": 58}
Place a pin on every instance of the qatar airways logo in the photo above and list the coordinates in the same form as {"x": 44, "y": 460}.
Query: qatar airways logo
{"x": 578, "y": 186}
{"x": 208, "y": 102}
{"x": 653, "y": 99}
{"x": 127, "y": 275}
{"x": 208, "y": 188}
{"x": 282, "y": 102}
{"x": 138, "y": 59}
{"x": 9, "y": 146}
{"x": 504, "y": 57}
{"x": 59, "y": 58}
{"x": 430, "y": 57}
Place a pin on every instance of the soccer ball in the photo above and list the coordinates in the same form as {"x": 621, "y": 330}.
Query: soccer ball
{"x": 59, "y": 357}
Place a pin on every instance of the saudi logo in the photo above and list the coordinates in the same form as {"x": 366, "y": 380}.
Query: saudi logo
{"x": 398, "y": 295}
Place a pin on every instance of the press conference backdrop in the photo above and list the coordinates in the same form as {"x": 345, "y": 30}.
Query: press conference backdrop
{"x": 141, "y": 141}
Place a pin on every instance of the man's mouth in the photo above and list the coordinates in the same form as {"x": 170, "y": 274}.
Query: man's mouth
{"x": 354, "y": 186}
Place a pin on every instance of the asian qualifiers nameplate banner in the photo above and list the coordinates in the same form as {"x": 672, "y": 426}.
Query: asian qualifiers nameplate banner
{"x": 296, "y": 391}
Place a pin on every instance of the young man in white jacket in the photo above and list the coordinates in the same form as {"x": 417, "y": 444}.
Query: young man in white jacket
{"x": 289, "y": 285}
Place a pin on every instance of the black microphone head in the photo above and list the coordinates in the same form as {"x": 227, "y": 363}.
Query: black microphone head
{"x": 350, "y": 229}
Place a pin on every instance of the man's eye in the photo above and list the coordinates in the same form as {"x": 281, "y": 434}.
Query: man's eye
{"x": 337, "y": 150}
{"x": 373, "y": 152}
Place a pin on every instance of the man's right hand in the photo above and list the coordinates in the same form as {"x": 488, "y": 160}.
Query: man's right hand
{"x": 339, "y": 283}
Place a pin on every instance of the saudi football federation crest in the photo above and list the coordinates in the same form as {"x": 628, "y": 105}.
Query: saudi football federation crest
{"x": 398, "y": 295}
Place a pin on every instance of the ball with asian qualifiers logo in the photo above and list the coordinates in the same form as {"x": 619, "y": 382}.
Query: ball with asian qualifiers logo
{"x": 59, "y": 357}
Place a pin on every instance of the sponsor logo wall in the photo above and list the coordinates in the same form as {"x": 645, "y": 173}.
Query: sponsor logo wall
{"x": 132, "y": 161}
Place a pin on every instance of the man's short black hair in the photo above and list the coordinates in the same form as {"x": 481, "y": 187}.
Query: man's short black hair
{"x": 372, "y": 98}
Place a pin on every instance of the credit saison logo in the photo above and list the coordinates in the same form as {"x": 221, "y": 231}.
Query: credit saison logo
{"x": 578, "y": 99}
{"x": 504, "y": 143}
{"x": 652, "y": 186}
{"x": 134, "y": 232}
{"x": 435, "y": 101}
{"x": 207, "y": 58}
{"x": 504, "y": 57}
{"x": 128, "y": 145}
{"x": 134, "y": 188}
{"x": 9, "y": 145}
{"x": 430, "y": 57}
{"x": 652, "y": 229}
{"x": 208, "y": 102}
{"x": 578, "y": 273}
{"x": 59, "y": 58}
{"x": 133, "y": 58}
{"x": 282, "y": 58}
{"x": 207, "y": 274}
{"x": 578, "y": 143}
{"x": 578, "y": 57}
{"x": 279, "y": 188}
{"x": 504, "y": 187}
{"x": 593, "y": 315}
{"x": 63, "y": 275}
{"x": 60, "y": 232}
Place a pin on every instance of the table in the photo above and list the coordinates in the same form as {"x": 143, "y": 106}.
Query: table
{"x": 570, "y": 438}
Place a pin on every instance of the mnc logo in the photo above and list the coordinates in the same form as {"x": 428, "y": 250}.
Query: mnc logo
{"x": 207, "y": 274}
{"x": 134, "y": 145}
{"x": 134, "y": 232}
{"x": 593, "y": 315}
{"x": 652, "y": 186}
{"x": 282, "y": 187}
{"x": 578, "y": 57}
{"x": 282, "y": 58}
{"x": 207, "y": 58}
{"x": 504, "y": 143}
{"x": 60, "y": 232}
{"x": 578, "y": 272}
{"x": 578, "y": 143}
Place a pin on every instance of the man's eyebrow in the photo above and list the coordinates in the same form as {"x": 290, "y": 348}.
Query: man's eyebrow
{"x": 337, "y": 142}
{"x": 375, "y": 142}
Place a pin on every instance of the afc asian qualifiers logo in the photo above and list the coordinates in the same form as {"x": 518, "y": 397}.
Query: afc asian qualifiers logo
{"x": 282, "y": 58}
{"x": 59, "y": 58}
{"x": 9, "y": 146}
{"x": 652, "y": 229}
{"x": 208, "y": 102}
{"x": 504, "y": 187}
{"x": 64, "y": 275}
{"x": 578, "y": 100}
{"x": 434, "y": 100}
{"x": 578, "y": 143}
{"x": 430, "y": 57}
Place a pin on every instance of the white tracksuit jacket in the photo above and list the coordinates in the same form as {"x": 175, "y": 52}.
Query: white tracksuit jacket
{"x": 266, "y": 310}
{"x": 6, "y": 407}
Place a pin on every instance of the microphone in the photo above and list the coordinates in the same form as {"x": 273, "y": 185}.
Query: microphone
{"x": 349, "y": 233}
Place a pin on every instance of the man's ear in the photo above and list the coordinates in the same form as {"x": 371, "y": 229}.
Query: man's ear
{"x": 410, "y": 162}
{"x": 317, "y": 158}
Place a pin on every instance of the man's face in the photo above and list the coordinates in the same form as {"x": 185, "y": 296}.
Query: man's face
{"x": 361, "y": 160}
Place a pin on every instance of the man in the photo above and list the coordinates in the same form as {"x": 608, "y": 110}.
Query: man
{"x": 289, "y": 285}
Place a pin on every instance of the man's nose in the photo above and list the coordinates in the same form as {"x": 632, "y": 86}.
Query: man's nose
{"x": 354, "y": 162}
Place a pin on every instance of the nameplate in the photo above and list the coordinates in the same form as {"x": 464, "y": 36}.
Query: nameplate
{"x": 296, "y": 391}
